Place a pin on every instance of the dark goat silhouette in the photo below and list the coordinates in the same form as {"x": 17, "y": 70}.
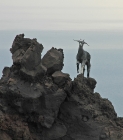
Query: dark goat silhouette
{"x": 83, "y": 57}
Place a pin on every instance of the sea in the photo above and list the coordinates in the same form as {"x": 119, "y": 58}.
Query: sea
{"x": 105, "y": 48}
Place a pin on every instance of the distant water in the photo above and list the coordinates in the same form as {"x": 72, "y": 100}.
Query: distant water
{"x": 106, "y": 49}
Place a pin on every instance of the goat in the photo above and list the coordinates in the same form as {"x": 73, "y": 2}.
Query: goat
{"x": 83, "y": 57}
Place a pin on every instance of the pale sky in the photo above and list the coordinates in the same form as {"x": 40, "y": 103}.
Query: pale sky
{"x": 61, "y": 14}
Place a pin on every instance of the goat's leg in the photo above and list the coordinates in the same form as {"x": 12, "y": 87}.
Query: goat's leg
{"x": 77, "y": 63}
{"x": 83, "y": 70}
{"x": 88, "y": 69}
{"x": 83, "y": 67}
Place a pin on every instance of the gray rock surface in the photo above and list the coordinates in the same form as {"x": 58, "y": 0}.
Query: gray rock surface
{"x": 40, "y": 102}
{"x": 26, "y": 54}
{"x": 60, "y": 78}
{"x": 53, "y": 60}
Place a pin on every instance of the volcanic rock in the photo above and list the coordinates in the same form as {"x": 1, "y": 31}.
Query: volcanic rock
{"x": 53, "y": 60}
{"x": 26, "y": 54}
{"x": 40, "y": 102}
{"x": 60, "y": 78}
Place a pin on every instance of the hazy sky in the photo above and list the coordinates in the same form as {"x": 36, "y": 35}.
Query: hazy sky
{"x": 61, "y": 14}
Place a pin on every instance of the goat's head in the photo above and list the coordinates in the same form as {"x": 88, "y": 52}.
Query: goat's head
{"x": 81, "y": 43}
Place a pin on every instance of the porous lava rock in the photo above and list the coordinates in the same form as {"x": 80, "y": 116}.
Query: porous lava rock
{"x": 48, "y": 105}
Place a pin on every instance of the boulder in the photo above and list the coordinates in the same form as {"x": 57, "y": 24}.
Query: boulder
{"x": 26, "y": 53}
{"x": 53, "y": 60}
{"x": 60, "y": 78}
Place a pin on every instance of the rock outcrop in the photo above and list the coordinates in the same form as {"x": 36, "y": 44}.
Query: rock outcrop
{"x": 40, "y": 102}
{"x": 26, "y": 55}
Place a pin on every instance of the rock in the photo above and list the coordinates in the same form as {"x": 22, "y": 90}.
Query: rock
{"x": 39, "y": 102}
{"x": 91, "y": 83}
{"x": 13, "y": 127}
{"x": 33, "y": 75}
{"x": 58, "y": 130}
{"x": 6, "y": 73}
{"x": 32, "y": 56}
{"x": 26, "y": 53}
{"x": 4, "y": 136}
{"x": 119, "y": 121}
{"x": 52, "y": 104}
{"x": 53, "y": 60}
{"x": 60, "y": 78}
{"x": 35, "y": 99}
{"x": 87, "y": 83}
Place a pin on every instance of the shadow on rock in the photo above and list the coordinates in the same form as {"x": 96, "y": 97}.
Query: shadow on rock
{"x": 40, "y": 102}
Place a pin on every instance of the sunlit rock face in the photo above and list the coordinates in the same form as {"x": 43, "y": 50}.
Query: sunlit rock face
{"x": 40, "y": 102}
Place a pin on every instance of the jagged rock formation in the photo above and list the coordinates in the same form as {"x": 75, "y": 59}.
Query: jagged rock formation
{"x": 26, "y": 54}
{"x": 40, "y": 102}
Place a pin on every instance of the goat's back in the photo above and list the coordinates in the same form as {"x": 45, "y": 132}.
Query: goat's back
{"x": 84, "y": 56}
{"x": 87, "y": 55}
